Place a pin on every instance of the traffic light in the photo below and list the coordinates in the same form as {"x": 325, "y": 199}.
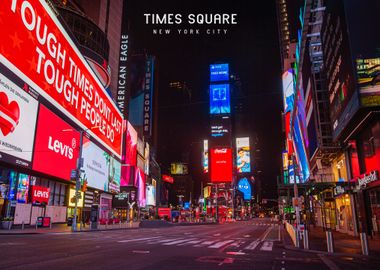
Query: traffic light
{"x": 84, "y": 186}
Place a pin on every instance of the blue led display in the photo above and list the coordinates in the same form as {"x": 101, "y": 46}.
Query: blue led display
{"x": 245, "y": 187}
{"x": 220, "y": 99}
{"x": 219, "y": 72}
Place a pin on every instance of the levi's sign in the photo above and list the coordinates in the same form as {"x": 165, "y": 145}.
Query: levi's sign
{"x": 37, "y": 48}
{"x": 40, "y": 194}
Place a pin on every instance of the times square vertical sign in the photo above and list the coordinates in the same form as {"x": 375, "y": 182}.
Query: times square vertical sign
{"x": 148, "y": 96}
{"x": 36, "y": 47}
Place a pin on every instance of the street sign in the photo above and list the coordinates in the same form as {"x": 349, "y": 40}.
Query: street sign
{"x": 73, "y": 174}
{"x": 79, "y": 195}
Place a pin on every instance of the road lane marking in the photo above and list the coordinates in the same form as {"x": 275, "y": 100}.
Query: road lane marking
{"x": 205, "y": 243}
{"x": 267, "y": 246}
{"x": 166, "y": 240}
{"x": 220, "y": 244}
{"x": 235, "y": 253}
{"x": 174, "y": 242}
{"x": 137, "y": 239}
{"x": 329, "y": 263}
{"x": 217, "y": 234}
{"x": 253, "y": 245}
{"x": 141, "y": 251}
{"x": 190, "y": 242}
{"x": 247, "y": 235}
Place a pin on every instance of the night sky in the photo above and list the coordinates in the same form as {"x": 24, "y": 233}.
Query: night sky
{"x": 251, "y": 49}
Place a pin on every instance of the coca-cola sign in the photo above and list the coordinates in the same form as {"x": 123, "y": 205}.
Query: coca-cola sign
{"x": 40, "y": 195}
{"x": 368, "y": 178}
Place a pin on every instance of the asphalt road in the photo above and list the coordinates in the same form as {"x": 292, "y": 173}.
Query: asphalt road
{"x": 255, "y": 244}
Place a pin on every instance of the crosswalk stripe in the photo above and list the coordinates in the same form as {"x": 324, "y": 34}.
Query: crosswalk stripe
{"x": 220, "y": 244}
{"x": 173, "y": 242}
{"x": 137, "y": 239}
{"x": 167, "y": 240}
{"x": 190, "y": 242}
{"x": 253, "y": 245}
{"x": 205, "y": 243}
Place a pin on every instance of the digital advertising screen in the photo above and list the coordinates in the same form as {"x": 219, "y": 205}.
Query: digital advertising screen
{"x": 220, "y": 99}
{"x": 56, "y": 69}
{"x": 220, "y": 130}
{"x": 288, "y": 90}
{"x": 368, "y": 71}
{"x": 219, "y": 72}
{"x": 141, "y": 182}
{"x": 131, "y": 145}
{"x": 301, "y": 154}
{"x": 221, "y": 165}
{"x": 245, "y": 187}
{"x": 18, "y": 113}
{"x": 243, "y": 156}
{"x": 114, "y": 176}
{"x": 150, "y": 195}
{"x": 56, "y": 147}
{"x": 179, "y": 169}
{"x": 22, "y": 188}
{"x": 95, "y": 165}
{"x": 205, "y": 156}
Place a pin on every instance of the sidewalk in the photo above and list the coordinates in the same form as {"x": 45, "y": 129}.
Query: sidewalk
{"x": 344, "y": 244}
{"x": 63, "y": 228}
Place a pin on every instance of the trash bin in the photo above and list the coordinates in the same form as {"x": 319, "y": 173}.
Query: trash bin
{"x": 46, "y": 222}
{"x": 39, "y": 221}
{"x": 70, "y": 221}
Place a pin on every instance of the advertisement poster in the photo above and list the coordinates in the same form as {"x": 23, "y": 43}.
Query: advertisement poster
{"x": 22, "y": 188}
{"x": 18, "y": 113}
{"x": 220, "y": 99}
{"x": 56, "y": 147}
{"x": 288, "y": 90}
{"x": 205, "y": 156}
{"x": 219, "y": 72}
{"x": 243, "y": 156}
{"x": 368, "y": 71}
{"x": 245, "y": 187}
{"x": 95, "y": 165}
{"x": 141, "y": 184}
{"x": 56, "y": 69}
{"x": 114, "y": 176}
{"x": 221, "y": 165}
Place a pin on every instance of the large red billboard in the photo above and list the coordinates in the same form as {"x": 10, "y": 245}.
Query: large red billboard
{"x": 37, "y": 48}
{"x": 221, "y": 165}
{"x": 56, "y": 146}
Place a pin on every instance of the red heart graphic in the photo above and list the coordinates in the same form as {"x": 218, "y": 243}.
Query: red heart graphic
{"x": 9, "y": 114}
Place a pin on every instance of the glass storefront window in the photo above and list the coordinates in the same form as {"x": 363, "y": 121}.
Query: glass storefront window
{"x": 370, "y": 143}
{"x": 355, "y": 169}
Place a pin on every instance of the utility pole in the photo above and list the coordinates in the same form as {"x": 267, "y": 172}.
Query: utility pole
{"x": 296, "y": 202}
{"x": 77, "y": 182}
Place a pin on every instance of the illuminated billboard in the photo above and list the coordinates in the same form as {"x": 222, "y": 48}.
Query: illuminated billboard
{"x": 288, "y": 90}
{"x": 179, "y": 169}
{"x": 219, "y": 72}
{"x": 221, "y": 165}
{"x": 243, "y": 156}
{"x": 368, "y": 71}
{"x": 18, "y": 113}
{"x": 56, "y": 147}
{"x": 95, "y": 165}
{"x": 220, "y": 130}
{"x": 300, "y": 150}
{"x": 205, "y": 156}
{"x": 245, "y": 187}
{"x": 51, "y": 63}
{"x": 114, "y": 176}
{"x": 220, "y": 99}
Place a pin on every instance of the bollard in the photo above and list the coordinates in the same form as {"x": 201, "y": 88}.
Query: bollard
{"x": 120, "y": 224}
{"x": 51, "y": 225}
{"x": 306, "y": 239}
{"x": 330, "y": 241}
{"x": 90, "y": 225}
{"x": 36, "y": 225}
{"x": 9, "y": 225}
{"x": 297, "y": 238}
{"x": 22, "y": 225}
{"x": 80, "y": 225}
{"x": 364, "y": 243}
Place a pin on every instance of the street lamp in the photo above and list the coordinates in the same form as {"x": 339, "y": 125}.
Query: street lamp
{"x": 77, "y": 174}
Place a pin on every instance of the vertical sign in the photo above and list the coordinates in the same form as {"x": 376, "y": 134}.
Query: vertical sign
{"x": 122, "y": 95}
{"x": 205, "y": 156}
{"x": 148, "y": 95}
{"x": 243, "y": 158}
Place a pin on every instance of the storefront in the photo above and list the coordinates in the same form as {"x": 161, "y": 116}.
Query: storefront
{"x": 105, "y": 206}
{"x": 344, "y": 209}
{"x": 25, "y": 197}
{"x": 71, "y": 204}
